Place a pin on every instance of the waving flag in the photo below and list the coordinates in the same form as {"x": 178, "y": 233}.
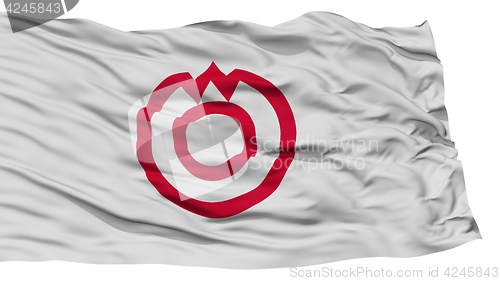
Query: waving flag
{"x": 226, "y": 144}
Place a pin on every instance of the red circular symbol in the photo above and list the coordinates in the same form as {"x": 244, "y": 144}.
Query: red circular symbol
{"x": 217, "y": 172}
{"x": 226, "y": 84}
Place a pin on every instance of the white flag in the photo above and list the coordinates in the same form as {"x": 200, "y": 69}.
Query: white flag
{"x": 226, "y": 144}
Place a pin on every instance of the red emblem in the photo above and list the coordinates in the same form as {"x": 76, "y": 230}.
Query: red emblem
{"x": 226, "y": 84}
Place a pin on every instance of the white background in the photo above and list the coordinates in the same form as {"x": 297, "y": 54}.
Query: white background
{"x": 467, "y": 41}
